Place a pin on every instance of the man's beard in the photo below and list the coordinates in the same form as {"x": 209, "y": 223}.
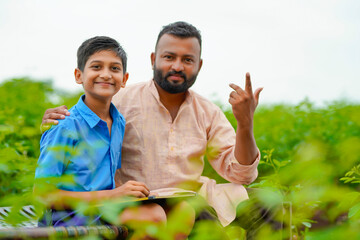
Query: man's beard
{"x": 170, "y": 87}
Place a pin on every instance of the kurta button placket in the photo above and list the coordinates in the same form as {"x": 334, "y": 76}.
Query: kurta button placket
{"x": 171, "y": 141}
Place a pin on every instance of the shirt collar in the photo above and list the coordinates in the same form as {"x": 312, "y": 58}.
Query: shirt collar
{"x": 90, "y": 117}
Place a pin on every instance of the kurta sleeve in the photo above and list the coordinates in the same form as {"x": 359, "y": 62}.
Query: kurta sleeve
{"x": 220, "y": 152}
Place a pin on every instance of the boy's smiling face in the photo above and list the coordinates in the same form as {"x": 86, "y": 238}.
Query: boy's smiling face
{"x": 103, "y": 75}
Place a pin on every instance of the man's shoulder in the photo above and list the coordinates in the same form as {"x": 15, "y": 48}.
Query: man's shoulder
{"x": 203, "y": 102}
{"x": 134, "y": 87}
{"x": 130, "y": 93}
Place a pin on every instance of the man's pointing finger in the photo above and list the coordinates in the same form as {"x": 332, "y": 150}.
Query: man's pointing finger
{"x": 248, "y": 87}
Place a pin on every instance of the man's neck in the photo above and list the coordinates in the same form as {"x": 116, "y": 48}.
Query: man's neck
{"x": 171, "y": 101}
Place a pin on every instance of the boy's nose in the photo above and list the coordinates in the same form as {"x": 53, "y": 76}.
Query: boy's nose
{"x": 105, "y": 75}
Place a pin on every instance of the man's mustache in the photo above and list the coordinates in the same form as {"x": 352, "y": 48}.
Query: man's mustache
{"x": 181, "y": 74}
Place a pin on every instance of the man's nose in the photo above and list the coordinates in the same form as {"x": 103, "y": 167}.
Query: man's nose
{"x": 178, "y": 65}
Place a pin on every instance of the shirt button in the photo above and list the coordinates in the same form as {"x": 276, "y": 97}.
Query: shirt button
{"x": 172, "y": 148}
{"x": 171, "y": 130}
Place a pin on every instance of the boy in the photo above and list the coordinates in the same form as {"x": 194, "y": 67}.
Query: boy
{"x": 87, "y": 144}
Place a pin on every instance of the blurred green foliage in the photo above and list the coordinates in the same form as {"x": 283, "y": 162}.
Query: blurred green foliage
{"x": 310, "y": 157}
{"x": 22, "y": 104}
{"x": 310, "y": 160}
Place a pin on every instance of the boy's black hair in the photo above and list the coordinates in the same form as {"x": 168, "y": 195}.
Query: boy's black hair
{"x": 180, "y": 30}
{"x": 97, "y": 44}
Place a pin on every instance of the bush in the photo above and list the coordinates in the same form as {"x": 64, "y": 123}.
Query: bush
{"x": 310, "y": 156}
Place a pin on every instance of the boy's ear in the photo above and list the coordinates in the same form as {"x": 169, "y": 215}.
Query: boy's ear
{"x": 152, "y": 59}
{"x": 125, "y": 78}
{"x": 78, "y": 76}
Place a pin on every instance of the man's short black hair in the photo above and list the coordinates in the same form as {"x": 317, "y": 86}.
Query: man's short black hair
{"x": 180, "y": 30}
{"x": 97, "y": 44}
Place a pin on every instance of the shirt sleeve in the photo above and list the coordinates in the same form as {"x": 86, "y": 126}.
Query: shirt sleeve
{"x": 56, "y": 145}
{"x": 220, "y": 152}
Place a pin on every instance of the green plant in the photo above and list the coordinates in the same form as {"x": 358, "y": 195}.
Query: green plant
{"x": 307, "y": 152}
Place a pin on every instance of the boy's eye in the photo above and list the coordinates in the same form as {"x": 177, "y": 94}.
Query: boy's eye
{"x": 116, "y": 68}
{"x": 95, "y": 67}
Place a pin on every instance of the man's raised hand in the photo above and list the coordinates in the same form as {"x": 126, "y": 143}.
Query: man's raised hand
{"x": 244, "y": 102}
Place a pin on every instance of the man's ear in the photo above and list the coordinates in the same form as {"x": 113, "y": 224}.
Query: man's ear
{"x": 153, "y": 56}
{"x": 125, "y": 78}
{"x": 78, "y": 76}
{"x": 200, "y": 64}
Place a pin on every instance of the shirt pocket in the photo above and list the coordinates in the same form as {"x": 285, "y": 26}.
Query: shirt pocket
{"x": 80, "y": 165}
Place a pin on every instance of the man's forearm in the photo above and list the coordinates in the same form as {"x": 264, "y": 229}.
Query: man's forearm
{"x": 246, "y": 150}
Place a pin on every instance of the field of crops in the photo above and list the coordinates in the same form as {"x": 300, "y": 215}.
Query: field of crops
{"x": 310, "y": 159}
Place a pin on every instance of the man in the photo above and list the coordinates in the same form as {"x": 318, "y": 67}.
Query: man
{"x": 170, "y": 128}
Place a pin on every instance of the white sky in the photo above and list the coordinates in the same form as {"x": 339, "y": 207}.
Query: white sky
{"x": 294, "y": 49}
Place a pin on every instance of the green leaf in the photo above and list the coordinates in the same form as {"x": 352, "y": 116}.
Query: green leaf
{"x": 4, "y": 167}
{"x": 276, "y": 162}
{"x": 306, "y": 224}
{"x": 354, "y": 210}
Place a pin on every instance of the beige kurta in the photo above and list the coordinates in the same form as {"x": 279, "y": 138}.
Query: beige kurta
{"x": 165, "y": 153}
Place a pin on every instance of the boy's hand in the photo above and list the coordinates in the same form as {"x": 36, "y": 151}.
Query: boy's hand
{"x": 131, "y": 188}
{"x": 51, "y": 115}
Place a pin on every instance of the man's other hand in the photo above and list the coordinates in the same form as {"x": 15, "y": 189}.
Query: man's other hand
{"x": 131, "y": 188}
{"x": 52, "y": 115}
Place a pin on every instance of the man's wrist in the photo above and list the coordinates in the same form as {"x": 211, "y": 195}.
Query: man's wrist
{"x": 245, "y": 127}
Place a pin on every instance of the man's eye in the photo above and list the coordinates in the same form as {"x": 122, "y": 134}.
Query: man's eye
{"x": 95, "y": 67}
{"x": 188, "y": 60}
{"x": 168, "y": 57}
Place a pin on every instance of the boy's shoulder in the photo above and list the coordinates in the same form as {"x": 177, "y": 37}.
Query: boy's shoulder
{"x": 74, "y": 117}
{"x": 70, "y": 123}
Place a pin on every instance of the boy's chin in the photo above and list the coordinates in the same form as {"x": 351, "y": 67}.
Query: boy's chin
{"x": 104, "y": 95}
